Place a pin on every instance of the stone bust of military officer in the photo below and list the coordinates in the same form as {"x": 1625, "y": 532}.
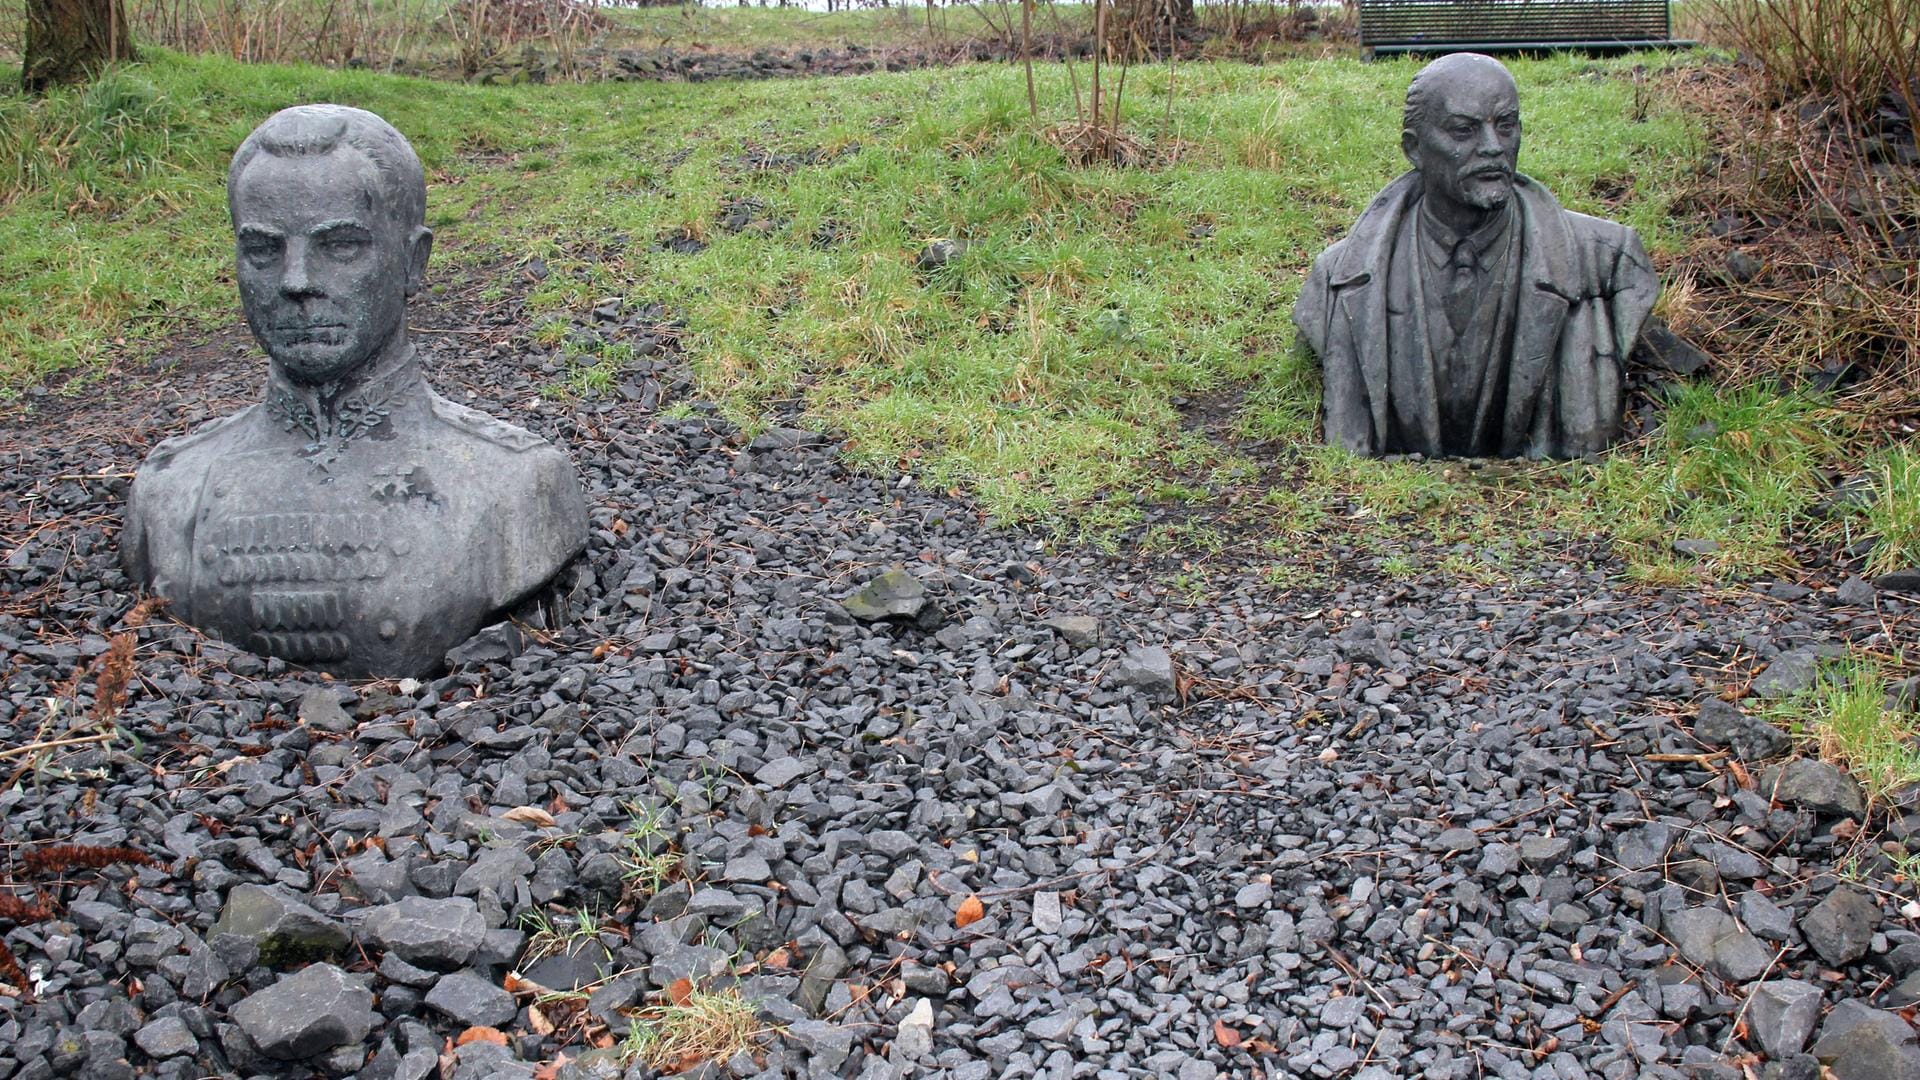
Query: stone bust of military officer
{"x": 1467, "y": 314}
{"x": 354, "y": 521}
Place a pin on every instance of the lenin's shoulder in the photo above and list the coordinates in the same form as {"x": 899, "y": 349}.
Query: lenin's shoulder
{"x": 1599, "y": 233}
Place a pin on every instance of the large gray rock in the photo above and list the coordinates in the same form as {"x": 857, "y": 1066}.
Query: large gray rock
{"x": 1859, "y": 1042}
{"x": 1787, "y": 675}
{"x": 320, "y": 709}
{"x": 165, "y": 1038}
{"x": 306, "y": 1013}
{"x": 1899, "y": 581}
{"x": 1781, "y": 1014}
{"x": 354, "y": 521}
{"x": 1711, "y": 938}
{"x": 469, "y": 999}
{"x": 496, "y": 870}
{"x": 437, "y": 934}
{"x": 1146, "y": 668}
{"x": 1840, "y": 928}
{"x": 281, "y": 925}
{"x": 892, "y": 596}
{"x": 1817, "y": 786}
{"x": 1080, "y": 631}
{"x": 1751, "y": 739}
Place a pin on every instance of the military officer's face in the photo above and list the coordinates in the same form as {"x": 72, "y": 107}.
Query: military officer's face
{"x": 324, "y": 271}
{"x": 1467, "y": 146}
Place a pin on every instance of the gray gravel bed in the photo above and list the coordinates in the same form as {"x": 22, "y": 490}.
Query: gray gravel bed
{"x": 1397, "y": 829}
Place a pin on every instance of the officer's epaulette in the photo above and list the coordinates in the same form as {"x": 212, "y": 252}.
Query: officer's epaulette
{"x": 169, "y": 449}
{"x": 475, "y": 422}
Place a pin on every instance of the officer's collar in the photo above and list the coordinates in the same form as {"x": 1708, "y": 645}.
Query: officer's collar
{"x": 342, "y": 411}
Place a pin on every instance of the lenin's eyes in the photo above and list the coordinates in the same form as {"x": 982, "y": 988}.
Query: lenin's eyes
{"x": 260, "y": 251}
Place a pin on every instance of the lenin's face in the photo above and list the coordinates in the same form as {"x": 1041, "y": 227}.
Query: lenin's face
{"x": 324, "y": 271}
{"x": 1467, "y": 145}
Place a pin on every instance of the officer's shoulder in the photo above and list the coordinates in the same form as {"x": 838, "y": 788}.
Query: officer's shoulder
{"x": 489, "y": 429}
{"x": 194, "y": 444}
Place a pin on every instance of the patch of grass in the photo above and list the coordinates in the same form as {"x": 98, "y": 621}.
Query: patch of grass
{"x": 688, "y": 26}
{"x": 1036, "y": 370}
{"x": 550, "y": 934}
{"x": 1892, "y": 518}
{"x": 1741, "y": 467}
{"x": 1399, "y": 567}
{"x": 647, "y": 851}
{"x": 1846, "y": 717}
{"x": 704, "y": 1025}
{"x": 1293, "y": 576}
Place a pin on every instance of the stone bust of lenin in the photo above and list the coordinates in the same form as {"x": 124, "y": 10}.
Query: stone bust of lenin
{"x": 354, "y": 521}
{"x": 1467, "y": 314}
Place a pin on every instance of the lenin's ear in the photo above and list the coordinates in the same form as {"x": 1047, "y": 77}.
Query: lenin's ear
{"x": 1410, "y": 146}
{"x": 419, "y": 246}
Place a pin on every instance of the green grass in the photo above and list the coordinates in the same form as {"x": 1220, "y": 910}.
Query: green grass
{"x": 747, "y": 28}
{"x": 1741, "y": 467}
{"x": 1892, "y": 518}
{"x": 1036, "y": 371}
{"x": 1845, "y": 717}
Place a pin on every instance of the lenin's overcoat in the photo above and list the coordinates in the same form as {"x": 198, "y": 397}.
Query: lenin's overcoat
{"x": 1585, "y": 288}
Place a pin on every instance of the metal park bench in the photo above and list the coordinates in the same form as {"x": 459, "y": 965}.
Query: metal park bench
{"x": 1395, "y": 26}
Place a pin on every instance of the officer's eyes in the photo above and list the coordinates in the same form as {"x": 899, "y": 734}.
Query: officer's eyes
{"x": 342, "y": 247}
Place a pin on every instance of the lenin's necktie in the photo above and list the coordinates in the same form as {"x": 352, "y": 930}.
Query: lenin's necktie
{"x": 1462, "y": 283}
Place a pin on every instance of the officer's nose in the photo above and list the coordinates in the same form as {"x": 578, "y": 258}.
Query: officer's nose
{"x": 295, "y": 281}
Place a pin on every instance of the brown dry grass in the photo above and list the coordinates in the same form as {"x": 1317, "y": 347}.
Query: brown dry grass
{"x": 1798, "y": 188}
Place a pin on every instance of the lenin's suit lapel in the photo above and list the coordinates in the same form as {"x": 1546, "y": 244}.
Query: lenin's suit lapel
{"x": 1549, "y": 286}
{"x": 1358, "y": 281}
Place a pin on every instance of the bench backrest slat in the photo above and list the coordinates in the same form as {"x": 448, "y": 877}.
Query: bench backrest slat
{"x": 1429, "y": 22}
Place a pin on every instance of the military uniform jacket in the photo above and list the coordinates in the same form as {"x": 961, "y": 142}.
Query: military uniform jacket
{"x": 365, "y": 542}
{"x": 1585, "y": 288}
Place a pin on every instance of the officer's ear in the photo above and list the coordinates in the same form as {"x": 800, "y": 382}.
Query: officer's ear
{"x": 419, "y": 246}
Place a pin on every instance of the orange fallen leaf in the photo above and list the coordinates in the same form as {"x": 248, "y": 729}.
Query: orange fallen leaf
{"x": 551, "y": 1070}
{"x": 481, "y": 1034}
{"x": 680, "y": 991}
{"x": 971, "y": 911}
{"x": 1226, "y": 1034}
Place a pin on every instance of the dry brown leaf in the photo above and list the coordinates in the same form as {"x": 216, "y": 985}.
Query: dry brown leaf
{"x": 481, "y": 1034}
{"x": 1226, "y": 1034}
{"x": 680, "y": 991}
{"x": 538, "y": 1021}
{"x": 971, "y": 911}
{"x": 530, "y": 815}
